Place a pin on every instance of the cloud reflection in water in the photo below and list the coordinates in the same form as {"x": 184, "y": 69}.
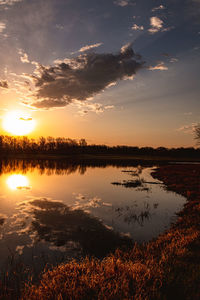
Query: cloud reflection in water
{"x": 58, "y": 224}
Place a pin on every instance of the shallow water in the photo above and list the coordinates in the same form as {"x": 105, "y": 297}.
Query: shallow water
{"x": 52, "y": 213}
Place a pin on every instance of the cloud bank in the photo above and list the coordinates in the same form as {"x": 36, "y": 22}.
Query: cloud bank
{"x": 81, "y": 78}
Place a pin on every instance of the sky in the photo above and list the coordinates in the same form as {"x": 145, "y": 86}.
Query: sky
{"x": 115, "y": 72}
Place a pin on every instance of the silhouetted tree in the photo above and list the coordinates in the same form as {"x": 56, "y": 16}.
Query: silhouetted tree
{"x": 197, "y": 133}
{"x": 11, "y": 145}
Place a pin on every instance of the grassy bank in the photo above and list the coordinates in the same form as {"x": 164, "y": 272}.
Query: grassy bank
{"x": 165, "y": 268}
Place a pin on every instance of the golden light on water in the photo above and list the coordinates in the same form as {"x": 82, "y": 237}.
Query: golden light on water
{"x": 18, "y": 182}
{"x": 18, "y": 123}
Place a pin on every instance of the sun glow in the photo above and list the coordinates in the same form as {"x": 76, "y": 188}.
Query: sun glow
{"x": 18, "y": 182}
{"x": 18, "y": 123}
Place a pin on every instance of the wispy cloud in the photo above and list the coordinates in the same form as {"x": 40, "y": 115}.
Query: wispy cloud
{"x": 122, "y": 2}
{"x": 160, "y": 7}
{"x": 137, "y": 27}
{"x": 86, "y": 107}
{"x": 23, "y": 56}
{"x": 170, "y": 57}
{"x": 59, "y": 26}
{"x": 81, "y": 78}
{"x": 88, "y": 47}
{"x": 189, "y": 129}
{"x": 173, "y": 60}
{"x": 160, "y": 66}
{"x": 9, "y": 2}
{"x": 83, "y": 202}
{"x": 2, "y": 26}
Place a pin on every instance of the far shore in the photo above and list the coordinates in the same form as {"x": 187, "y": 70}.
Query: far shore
{"x": 99, "y": 157}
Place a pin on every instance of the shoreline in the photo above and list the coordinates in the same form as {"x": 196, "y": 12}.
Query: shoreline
{"x": 99, "y": 157}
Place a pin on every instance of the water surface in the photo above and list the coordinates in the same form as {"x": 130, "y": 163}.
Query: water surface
{"x": 54, "y": 211}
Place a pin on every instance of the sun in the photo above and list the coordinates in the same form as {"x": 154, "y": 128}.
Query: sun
{"x": 18, "y": 182}
{"x": 18, "y": 123}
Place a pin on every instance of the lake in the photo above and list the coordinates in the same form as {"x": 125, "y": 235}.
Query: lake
{"x": 52, "y": 211}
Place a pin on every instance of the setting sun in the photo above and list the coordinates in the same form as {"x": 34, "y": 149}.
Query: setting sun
{"x": 18, "y": 123}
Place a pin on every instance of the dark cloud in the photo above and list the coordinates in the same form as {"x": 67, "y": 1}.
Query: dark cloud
{"x": 4, "y": 84}
{"x": 82, "y": 77}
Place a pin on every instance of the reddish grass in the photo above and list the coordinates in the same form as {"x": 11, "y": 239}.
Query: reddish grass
{"x": 166, "y": 268}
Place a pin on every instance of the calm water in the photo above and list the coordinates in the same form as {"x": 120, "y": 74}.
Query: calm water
{"x": 53, "y": 211}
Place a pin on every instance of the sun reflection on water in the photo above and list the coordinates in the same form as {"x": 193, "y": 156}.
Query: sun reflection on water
{"x": 18, "y": 182}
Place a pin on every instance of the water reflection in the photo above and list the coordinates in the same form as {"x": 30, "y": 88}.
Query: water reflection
{"x": 60, "y": 225}
{"x": 131, "y": 214}
{"x": 91, "y": 216}
{"x": 138, "y": 183}
{"x": 65, "y": 167}
{"x": 2, "y": 219}
{"x": 18, "y": 182}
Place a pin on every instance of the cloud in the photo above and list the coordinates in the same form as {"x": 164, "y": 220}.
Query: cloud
{"x": 23, "y": 57}
{"x": 173, "y": 59}
{"x": 137, "y": 27}
{"x": 156, "y": 25}
{"x": 188, "y": 113}
{"x": 88, "y": 47}
{"x": 87, "y": 107}
{"x": 9, "y": 2}
{"x": 83, "y": 202}
{"x": 2, "y": 26}
{"x": 158, "y": 8}
{"x": 160, "y": 66}
{"x": 169, "y": 56}
{"x": 59, "y": 26}
{"x": 81, "y": 78}
{"x": 122, "y": 2}
{"x": 3, "y": 84}
{"x": 191, "y": 128}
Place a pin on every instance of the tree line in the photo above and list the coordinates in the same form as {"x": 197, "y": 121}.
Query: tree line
{"x": 10, "y": 145}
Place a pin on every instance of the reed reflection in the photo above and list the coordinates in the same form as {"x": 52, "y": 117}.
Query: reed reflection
{"x": 18, "y": 182}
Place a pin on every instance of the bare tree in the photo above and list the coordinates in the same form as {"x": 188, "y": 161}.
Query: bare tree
{"x": 197, "y": 133}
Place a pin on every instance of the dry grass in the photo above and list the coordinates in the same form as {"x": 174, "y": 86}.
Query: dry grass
{"x": 160, "y": 270}
{"x": 166, "y": 268}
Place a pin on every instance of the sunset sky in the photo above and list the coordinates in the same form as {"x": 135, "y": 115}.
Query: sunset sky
{"x": 110, "y": 71}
